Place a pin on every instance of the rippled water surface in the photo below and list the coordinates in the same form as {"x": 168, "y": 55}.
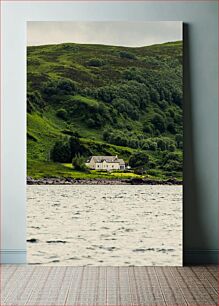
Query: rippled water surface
{"x": 104, "y": 225}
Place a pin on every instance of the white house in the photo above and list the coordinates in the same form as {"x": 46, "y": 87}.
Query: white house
{"x": 105, "y": 163}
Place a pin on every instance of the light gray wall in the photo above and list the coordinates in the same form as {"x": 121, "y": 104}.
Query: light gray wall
{"x": 200, "y": 79}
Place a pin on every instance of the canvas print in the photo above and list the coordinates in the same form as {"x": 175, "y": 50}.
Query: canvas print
{"x": 104, "y": 143}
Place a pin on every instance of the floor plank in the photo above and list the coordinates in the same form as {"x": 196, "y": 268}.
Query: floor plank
{"x": 113, "y": 286}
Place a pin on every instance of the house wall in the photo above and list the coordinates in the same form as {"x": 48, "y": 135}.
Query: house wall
{"x": 91, "y": 164}
{"x": 200, "y": 111}
{"x": 107, "y": 166}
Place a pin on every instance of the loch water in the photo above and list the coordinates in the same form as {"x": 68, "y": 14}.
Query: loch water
{"x": 104, "y": 225}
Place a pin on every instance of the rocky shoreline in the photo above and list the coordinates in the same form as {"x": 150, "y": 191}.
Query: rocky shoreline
{"x": 71, "y": 181}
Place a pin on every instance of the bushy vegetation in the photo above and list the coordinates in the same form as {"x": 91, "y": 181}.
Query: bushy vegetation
{"x": 78, "y": 163}
{"x": 139, "y": 159}
{"x": 87, "y": 100}
{"x": 95, "y": 62}
{"x": 126, "y": 54}
{"x": 62, "y": 113}
{"x": 61, "y": 152}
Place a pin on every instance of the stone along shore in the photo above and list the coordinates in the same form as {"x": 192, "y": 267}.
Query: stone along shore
{"x": 71, "y": 181}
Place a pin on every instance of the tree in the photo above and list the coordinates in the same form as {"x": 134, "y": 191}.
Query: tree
{"x": 150, "y": 145}
{"x": 154, "y": 95}
{"x": 163, "y": 104}
{"x": 147, "y": 128}
{"x": 61, "y": 152}
{"x": 173, "y": 161}
{"x": 133, "y": 143}
{"x": 173, "y": 165}
{"x": 78, "y": 163}
{"x": 75, "y": 146}
{"x": 106, "y": 93}
{"x": 139, "y": 159}
{"x": 106, "y": 134}
{"x": 159, "y": 123}
{"x": 171, "y": 128}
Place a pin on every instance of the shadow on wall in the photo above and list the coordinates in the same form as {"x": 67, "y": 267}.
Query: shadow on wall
{"x": 193, "y": 230}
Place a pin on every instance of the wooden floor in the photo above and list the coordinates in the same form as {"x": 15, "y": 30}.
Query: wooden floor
{"x": 40, "y": 285}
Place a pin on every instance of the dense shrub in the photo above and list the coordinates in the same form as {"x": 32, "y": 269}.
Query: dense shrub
{"x": 149, "y": 144}
{"x": 128, "y": 55}
{"x": 66, "y": 86}
{"x": 120, "y": 138}
{"x": 133, "y": 74}
{"x": 78, "y": 162}
{"x": 94, "y": 115}
{"x": 124, "y": 107}
{"x": 64, "y": 150}
{"x": 61, "y": 152}
{"x": 173, "y": 165}
{"x": 139, "y": 159}
{"x": 172, "y": 147}
{"x": 161, "y": 144}
{"x": 159, "y": 123}
{"x": 147, "y": 128}
{"x": 62, "y": 113}
{"x": 96, "y": 62}
{"x": 77, "y": 147}
{"x": 60, "y": 87}
{"x": 171, "y": 128}
{"x": 154, "y": 95}
{"x": 173, "y": 161}
{"x": 131, "y": 92}
{"x": 177, "y": 97}
{"x": 163, "y": 104}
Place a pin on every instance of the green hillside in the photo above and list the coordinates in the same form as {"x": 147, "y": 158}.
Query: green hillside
{"x": 104, "y": 100}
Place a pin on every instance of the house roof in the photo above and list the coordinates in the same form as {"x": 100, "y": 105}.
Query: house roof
{"x": 121, "y": 161}
{"x": 108, "y": 159}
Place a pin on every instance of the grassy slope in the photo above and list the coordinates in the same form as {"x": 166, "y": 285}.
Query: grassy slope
{"x": 71, "y": 61}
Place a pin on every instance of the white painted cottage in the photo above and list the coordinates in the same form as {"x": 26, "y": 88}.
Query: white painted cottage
{"x": 105, "y": 163}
